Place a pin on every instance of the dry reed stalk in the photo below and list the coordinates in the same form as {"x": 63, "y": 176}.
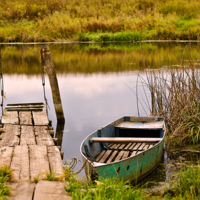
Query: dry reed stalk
{"x": 175, "y": 94}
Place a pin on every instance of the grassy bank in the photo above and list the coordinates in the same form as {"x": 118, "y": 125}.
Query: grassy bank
{"x": 103, "y": 189}
{"x": 99, "y": 20}
{"x": 185, "y": 185}
{"x": 112, "y": 189}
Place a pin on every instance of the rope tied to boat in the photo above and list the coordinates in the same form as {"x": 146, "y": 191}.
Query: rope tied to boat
{"x": 73, "y": 164}
{"x": 81, "y": 167}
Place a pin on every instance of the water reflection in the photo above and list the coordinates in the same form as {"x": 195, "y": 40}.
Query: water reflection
{"x": 95, "y": 58}
{"x": 59, "y": 132}
{"x": 93, "y": 83}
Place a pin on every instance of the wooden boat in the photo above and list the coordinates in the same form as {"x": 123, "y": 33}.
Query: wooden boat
{"x": 128, "y": 148}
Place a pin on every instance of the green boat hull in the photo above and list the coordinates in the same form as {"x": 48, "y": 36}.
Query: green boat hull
{"x": 132, "y": 169}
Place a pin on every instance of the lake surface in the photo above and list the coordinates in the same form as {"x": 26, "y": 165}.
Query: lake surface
{"x": 97, "y": 82}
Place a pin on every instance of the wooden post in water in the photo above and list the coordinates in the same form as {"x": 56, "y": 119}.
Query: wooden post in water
{"x": 48, "y": 65}
{"x": 59, "y": 132}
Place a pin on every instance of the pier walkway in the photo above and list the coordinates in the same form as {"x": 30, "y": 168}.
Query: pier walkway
{"x": 27, "y": 147}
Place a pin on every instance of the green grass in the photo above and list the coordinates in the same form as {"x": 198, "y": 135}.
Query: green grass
{"x": 112, "y": 189}
{"x": 187, "y": 185}
{"x": 36, "y": 179}
{"x": 5, "y": 173}
{"x": 118, "y": 36}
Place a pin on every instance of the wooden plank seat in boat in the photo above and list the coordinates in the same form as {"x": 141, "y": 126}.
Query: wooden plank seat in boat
{"x": 124, "y": 139}
{"x": 121, "y": 151}
{"x": 140, "y": 125}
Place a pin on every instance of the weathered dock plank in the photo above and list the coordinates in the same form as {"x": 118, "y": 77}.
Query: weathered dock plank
{"x": 5, "y": 155}
{"x": 39, "y": 163}
{"x": 27, "y": 135}
{"x": 25, "y": 104}
{"x": 42, "y": 136}
{"x": 10, "y": 117}
{"x": 10, "y": 135}
{"x": 40, "y": 118}
{"x": 12, "y": 129}
{"x": 24, "y": 109}
{"x": 21, "y": 190}
{"x": 25, "y": 118}
{"x": 20, "y": 163}
{"x": 51, "y": 190}
{"x": 55, "y": 160}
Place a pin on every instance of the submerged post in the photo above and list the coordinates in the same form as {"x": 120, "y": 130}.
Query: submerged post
{"x": 59, "y": 132}
{"x": 48, "y": 65}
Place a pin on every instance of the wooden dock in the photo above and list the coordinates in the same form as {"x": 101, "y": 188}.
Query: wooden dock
{"x": 27, "y": 146}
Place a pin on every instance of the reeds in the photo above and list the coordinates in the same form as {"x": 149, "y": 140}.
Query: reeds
{"x": 175, "y": 94}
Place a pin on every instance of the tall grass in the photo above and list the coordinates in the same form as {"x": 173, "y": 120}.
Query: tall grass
{"x": 175, "y": 94}
{"x": 56, "y": 20}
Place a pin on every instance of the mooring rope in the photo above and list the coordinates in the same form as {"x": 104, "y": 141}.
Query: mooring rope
{"x": 73, "y": 164}
{"x": 43, "y": 84}
{"x": 2, "y": 92}
{"x": 81, "y": 167}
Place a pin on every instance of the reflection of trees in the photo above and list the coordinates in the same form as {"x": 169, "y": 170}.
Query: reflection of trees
{"x": 94, "y": 58}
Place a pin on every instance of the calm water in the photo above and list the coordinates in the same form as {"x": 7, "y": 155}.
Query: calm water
{"x": 96, "y": 82}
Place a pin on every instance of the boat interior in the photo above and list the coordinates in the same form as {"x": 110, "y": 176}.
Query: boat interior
{"x": 122, "y": 139}
{"x": 117, "y": 152}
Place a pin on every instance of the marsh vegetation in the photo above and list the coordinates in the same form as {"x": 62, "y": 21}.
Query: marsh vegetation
{"x": 99, "y": 20}
{"x": 175, "y": 95}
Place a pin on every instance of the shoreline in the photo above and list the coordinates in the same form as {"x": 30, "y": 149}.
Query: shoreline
{"x": 102, "y": 42}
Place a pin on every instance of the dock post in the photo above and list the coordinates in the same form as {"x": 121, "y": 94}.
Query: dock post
{"x": 1, "y": 84}
{"x": 0, "y": 61}
{"x": 47, "y": 63}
